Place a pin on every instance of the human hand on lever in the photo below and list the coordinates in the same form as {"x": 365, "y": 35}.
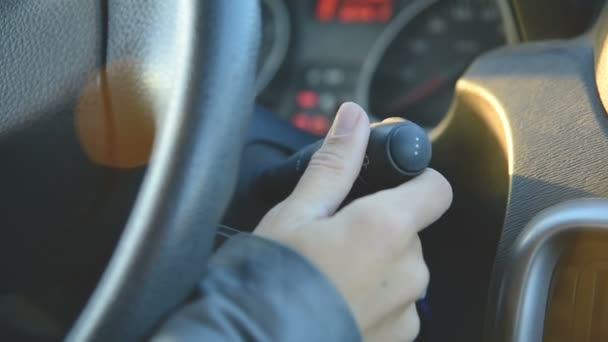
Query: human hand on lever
{"x": 370, "y": 248}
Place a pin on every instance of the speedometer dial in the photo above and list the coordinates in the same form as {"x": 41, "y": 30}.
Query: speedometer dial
{"x": 422, "y": 54}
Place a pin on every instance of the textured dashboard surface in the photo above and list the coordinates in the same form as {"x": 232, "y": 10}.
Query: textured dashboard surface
{"x": 558, "y": 127}
{"x": 47, "y": 50}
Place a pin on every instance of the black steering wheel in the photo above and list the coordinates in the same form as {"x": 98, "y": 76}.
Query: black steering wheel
{"x": 87, "y": 88}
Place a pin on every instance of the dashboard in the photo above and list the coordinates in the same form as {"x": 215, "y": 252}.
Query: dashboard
{"x": 394, "y": 57}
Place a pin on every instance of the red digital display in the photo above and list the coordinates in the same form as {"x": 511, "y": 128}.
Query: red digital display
{"x": 354, "y": 11}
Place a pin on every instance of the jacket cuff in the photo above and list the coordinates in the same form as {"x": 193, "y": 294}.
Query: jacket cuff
{"x": 284, "y": 286}
{"x": 257, "y": 289}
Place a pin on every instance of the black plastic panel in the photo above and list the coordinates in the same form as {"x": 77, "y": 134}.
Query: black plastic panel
{"x": 557, "y": 127}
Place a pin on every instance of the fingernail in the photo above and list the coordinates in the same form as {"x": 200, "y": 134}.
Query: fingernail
{"x": 346, "y": 119}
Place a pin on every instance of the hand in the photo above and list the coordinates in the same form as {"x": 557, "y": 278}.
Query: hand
{"x": 369, "y": 249}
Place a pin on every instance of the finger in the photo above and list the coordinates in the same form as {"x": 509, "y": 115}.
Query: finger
{"x": 406, "y": 282}
{"x": 335, "y": 166}
{"x": 403, "y": 325}
{"x": 409, "y": 207}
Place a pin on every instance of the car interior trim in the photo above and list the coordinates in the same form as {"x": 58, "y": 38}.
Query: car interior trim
{"x": 529, "y": 268}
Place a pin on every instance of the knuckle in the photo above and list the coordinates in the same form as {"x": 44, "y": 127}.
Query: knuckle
{"x": 419, "y": 283}
{"x": 418, "y": 273}
{"x": 410, "y": 324}
{"x": 424, "y": 277}
{"x": 446, "y": 188}
{"x": 443, "y": 186}
{"x": 415, "y": 246}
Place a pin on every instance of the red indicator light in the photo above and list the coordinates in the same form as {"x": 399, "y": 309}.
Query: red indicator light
{"x": 326, "y": 9}
{"x": 319, "y": 124}
{"x": 384, "y": 14}
{"x": 348, "y": 14}
{"x": 307, "y": 99}
{"x": 315, "y": 124}
{"x": 301, "y": 121}
{"x": 354, "y": 11}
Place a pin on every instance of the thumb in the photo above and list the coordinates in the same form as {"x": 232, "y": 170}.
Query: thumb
{"x": 335, "y": 166}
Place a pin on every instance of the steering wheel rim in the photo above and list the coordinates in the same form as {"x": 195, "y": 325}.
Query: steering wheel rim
{"x": 193, "y": 64}
{"x": 170, "y": 231}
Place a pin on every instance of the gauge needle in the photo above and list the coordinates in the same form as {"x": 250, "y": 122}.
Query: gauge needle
{"x": 420, "y": 92}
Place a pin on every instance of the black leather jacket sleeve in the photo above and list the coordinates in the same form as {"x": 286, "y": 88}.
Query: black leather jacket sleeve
{"x": 259, "y": 290}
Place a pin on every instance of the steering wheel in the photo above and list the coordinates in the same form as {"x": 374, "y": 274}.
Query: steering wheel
{"x": 90, "y": 89}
